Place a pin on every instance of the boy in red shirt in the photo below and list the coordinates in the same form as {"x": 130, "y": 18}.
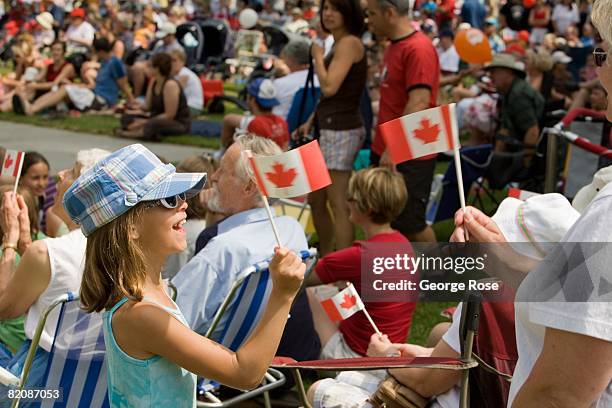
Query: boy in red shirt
{"x": 375, "y": 197}
{"x": 261, "y": 98}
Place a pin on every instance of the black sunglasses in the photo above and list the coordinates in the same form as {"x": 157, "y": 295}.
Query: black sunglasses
{"x": 168, "y": 202}
{"x": 600, "y": 56}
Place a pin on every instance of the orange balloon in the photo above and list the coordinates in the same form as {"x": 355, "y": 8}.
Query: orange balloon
{"x": 473, "y": 46}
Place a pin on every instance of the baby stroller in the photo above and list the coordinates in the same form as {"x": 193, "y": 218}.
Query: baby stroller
{"x": 206, "y": 42}
{"x": 275, "y": 39}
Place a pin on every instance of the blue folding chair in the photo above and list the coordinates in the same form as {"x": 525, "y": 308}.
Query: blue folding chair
{"x": 444, "y": 198}
{"x": 77, "y": 365}
{"x": 240, "y": 312}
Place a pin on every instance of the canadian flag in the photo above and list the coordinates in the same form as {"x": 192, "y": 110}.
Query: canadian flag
{"x": 521, "y": 194}
{"x": 291, "y": 174}
{"x": 13, "y": 160}
{"x": 343, "y": 304}
{"x": 421, "y": 133}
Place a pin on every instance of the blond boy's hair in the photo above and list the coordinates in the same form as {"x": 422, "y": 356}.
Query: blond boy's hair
{"x": 378, "y": 192}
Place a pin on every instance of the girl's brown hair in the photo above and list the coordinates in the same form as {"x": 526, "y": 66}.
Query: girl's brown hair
{"x": 114, "y": 263}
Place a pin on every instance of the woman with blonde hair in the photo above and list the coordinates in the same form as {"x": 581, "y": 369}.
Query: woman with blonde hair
{"x": 151, "y": 352}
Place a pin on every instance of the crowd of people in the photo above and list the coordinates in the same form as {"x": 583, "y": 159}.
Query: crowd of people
{"x": 117, "y": 223}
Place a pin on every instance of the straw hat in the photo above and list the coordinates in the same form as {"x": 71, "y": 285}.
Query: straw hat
{"x": 45, "y": 20}
{"x": 507, "y": 61}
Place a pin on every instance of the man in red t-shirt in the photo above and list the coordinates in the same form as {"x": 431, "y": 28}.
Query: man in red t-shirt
{"x": 261, "y": 98}
{"x": 375, "y": 197}
{"x": 410, "y": 82}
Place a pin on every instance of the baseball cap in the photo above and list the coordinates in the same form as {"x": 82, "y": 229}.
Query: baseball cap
{"x": 491, "y": 21}
{"x": 587, "y": 193}
{"x": 165, "y": 29}
{"x": 540, "y": 220}
{"x": 123, "y": 179}
{"x": 561, "y": 57}
{"x": 262, "y": 89}
{"x": 78, "y": 12}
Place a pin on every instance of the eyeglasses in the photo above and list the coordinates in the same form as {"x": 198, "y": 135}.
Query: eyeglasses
{"x": 168, "y": 202}
{"x": 600, "y": 56}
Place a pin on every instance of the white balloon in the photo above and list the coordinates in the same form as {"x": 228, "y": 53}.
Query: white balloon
{"x": 248, "y": 18}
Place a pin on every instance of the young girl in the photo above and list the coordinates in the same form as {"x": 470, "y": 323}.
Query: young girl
{"x": 132, "y": 207}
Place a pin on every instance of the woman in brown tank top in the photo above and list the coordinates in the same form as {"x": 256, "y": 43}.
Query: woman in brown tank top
{"x": 342, "y": 77}
{"x": 168, "y": 113}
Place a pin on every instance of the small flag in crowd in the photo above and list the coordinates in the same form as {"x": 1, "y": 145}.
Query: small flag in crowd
{"x": 421, "y": 133}
{"x": 13, "y": 161}
{"x": 343, "y": 304}
{"x": 521, "y": 194}
{"x": 291, "y": 174}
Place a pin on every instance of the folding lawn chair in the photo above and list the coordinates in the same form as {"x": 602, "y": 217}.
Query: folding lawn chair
{"x": 77, "y": 365}
{"x": 589, "y": 136}
{"x": 241, "y": 310}
{"x": 468, "y": 327}
{"x": 444, "y": 198}
{"x": 300, "y": 210}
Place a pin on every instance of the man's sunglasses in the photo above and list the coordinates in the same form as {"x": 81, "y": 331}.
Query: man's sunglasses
{"x": 600, "y": 56}
{"x": 168, "y": 202}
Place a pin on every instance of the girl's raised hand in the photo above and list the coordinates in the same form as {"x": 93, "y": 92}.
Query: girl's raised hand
{"x": 287, "y": 271}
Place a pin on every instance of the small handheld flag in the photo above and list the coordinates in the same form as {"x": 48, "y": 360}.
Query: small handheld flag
{"x": 13, "y": 162}
{"x": 421, "y": 133}
{"x": 291, "y": 174}
{"x": 344, "y": 304}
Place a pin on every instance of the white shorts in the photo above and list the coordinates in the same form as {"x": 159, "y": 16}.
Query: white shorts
{"x": 350, "y": 389}
{"x": 336, "y": 347}
{"x": 83, "y": 98}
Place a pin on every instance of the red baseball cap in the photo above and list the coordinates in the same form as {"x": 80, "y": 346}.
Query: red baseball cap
{"x": 78, "y": 12}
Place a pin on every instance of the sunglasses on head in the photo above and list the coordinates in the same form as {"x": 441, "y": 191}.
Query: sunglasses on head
{"x": 169, "y": 202}
{"x": 600, "y": 56}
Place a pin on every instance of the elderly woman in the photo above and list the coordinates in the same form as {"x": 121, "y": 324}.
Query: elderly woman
{"x": 564, "y": 339}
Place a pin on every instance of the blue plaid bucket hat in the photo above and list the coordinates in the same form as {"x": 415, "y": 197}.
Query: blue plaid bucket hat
{"x": 120, "y": 181}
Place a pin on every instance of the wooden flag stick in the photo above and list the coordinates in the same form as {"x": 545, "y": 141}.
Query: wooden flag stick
{"x": 271, "y": 218}
{"x": 18, "y": 174}
{"x": 457, "y": 155}
{"x": 247, "y": 155}
{"x": 367, "y": 315}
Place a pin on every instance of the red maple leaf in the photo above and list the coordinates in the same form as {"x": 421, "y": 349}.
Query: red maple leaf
{"x": 281, "y": 177}
{"x": 349, "y": 301}
{"x": 8, "y": 162}
{"x": 427, "y": 133}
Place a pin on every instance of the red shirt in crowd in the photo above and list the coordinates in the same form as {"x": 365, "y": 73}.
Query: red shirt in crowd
{"x": 409, "y": 63}
{"x": 271, "y": 126}
{"x": 391, "y": 318}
